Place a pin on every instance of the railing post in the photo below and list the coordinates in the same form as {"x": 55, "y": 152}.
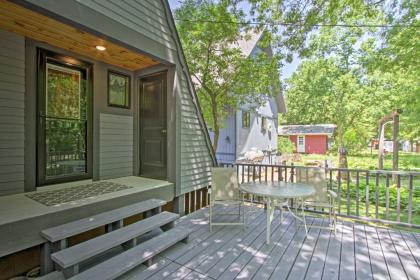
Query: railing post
{"x": 367, "y": 194}
{"x": 410, "y": 198}
{"x": 357, "y": 192}
{"x": 339, "y": 191}
{"x": 348, "y": 192}
{"x": 398, "y": 197}
{"x": 387, "y": 197}
{"x": 377, "y": 195}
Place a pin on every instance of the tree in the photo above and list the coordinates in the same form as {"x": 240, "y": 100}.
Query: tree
{"x": 224, "y": 78}
{"x": 320, "y": 91}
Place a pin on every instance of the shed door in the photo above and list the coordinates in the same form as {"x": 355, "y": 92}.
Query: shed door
{"x": 301, "y": 144}
{"x": 153, "y": 126}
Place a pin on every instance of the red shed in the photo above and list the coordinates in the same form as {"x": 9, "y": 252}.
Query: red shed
{"x": 309, "y": 139}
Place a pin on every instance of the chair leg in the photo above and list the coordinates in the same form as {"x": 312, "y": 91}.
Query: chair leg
{"x": 281, "y": 214}
{"x": 210, "y": 211}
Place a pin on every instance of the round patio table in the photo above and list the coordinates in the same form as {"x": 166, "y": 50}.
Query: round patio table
{"x": 279, "y": 191}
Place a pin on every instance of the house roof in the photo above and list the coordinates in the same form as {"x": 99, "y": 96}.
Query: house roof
{"x": 312, "y": 129}
{"x": 248, "y": 42}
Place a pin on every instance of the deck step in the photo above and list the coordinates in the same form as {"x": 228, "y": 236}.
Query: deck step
{"x": 122, "y": 263}
{"x": 93, "y": 247}
{"x": 64, "y": 231}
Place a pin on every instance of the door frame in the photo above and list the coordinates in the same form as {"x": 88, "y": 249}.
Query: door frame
{"x": 303, "y": 144}
{"x": 163, "y": 72}
{"x": 43, "y": 56}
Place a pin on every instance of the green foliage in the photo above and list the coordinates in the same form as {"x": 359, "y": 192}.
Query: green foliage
{"x": 393, "y": 195}
{"x": 225, "y": 78}
{"x": 352, "y": 77}
{"x": 285, "y": 146}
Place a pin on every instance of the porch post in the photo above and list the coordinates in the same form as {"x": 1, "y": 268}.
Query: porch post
{"x": 179, "y": 205}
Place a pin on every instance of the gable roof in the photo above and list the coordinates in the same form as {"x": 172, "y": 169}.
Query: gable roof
{"x": 311, "y": 129}
{"x": 186, "y": 72}
{"x": 249, "y": 41}
{"x": 247, "y": 44}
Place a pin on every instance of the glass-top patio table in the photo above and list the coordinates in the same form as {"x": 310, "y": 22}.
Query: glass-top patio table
{"x": 283, "y": 191}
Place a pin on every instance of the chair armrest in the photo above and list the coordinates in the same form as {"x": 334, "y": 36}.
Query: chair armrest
{"x": 332, "y": 193}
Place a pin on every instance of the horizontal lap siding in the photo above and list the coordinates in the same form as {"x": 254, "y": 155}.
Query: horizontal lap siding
{"x": 146, "y": 17}
{"x": 196, "y": 161}
{"x": 12, "y": 105}
{"x": 115, "y": 146}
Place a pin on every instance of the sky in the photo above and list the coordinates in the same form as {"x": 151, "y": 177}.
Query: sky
{"x": 287, "y": 69}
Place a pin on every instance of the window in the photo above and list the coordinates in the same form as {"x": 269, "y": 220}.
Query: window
{"x": 64, "y": 112}
{"x": 245, "y": 119}
{"x": 118, "y": 90}
{"x": 263, "y": 123}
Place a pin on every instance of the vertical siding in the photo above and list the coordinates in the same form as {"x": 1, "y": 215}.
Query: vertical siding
{"x": 12, "y": 89}
{"x": 115, "y": 146}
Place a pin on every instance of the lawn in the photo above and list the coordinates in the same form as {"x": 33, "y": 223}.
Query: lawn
{"x": 366, "y": 160}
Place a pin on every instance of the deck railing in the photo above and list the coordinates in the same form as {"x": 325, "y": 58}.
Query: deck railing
{"x": 391, "y": 197}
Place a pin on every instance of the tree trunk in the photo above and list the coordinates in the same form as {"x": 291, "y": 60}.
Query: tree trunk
{"x": 215, "y": 124}
{"x": 342, "y": 162}
{"x": 342, "y": 157}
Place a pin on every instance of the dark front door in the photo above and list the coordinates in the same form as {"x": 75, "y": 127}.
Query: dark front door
{"x": 153, "y": 126}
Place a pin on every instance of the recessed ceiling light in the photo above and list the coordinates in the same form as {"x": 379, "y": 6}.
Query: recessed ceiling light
{"x": 100, "y": 48}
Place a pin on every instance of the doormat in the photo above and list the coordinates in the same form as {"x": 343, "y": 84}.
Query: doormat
{"x": 70, "y": 194}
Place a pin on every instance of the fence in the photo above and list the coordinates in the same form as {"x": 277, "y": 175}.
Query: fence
{"x": 391, "y": 197}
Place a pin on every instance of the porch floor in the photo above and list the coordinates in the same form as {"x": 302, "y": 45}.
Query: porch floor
{"x": 22, "y": 218}
{"x": 356, "y": 251}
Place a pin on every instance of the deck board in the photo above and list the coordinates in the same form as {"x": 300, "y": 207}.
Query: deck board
{"x": 356, "y": 251}
{"x": 363, "y": 267}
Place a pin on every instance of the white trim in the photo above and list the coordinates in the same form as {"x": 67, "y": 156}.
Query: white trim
{"x": 303, "y": 144}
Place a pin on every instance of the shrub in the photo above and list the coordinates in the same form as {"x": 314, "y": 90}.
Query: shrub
{"x": 285, "y": 146}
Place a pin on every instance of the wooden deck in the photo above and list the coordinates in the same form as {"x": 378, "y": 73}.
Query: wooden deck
{"x": 357, "y": 251}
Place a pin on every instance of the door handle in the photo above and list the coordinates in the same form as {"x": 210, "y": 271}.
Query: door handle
{"x": 163, "y": 131}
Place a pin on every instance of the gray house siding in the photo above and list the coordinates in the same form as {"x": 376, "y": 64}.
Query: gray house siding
{"x": 226, "y": 149}
{"x": 116, "y": 146}
{"x": 235, "y": 140}
{"x": 146, "y": 27}
{"x": 195, "y": 159}
{"x": 12, "y": 105}
{"x": 254, "y": 136}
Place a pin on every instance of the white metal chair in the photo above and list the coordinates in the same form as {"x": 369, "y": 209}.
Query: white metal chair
{"x": 225, "y": 190}
{"x": 323, "y": 197}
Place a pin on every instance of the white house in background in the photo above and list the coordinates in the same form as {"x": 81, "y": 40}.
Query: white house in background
{"x": 249, "y": 129}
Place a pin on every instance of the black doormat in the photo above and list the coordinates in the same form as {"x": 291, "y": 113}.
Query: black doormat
{"x": 70, "y": 194}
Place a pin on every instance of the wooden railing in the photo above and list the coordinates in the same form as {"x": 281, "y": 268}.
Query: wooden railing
{"x": 391, "y": 197}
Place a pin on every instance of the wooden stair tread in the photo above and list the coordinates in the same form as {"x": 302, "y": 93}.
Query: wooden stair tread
{"x": 63, "y": 231}
{"x": 120, "y": 264}
{"x": 83, "y": 251}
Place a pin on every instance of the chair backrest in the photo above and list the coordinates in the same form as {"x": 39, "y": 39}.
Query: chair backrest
{"x": 224, "y": 185}
{"x": 315, "y": 177}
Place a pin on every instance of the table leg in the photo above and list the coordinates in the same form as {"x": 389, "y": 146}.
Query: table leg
{"x": 303, "y": 214}
{"x": 270, "y": 214}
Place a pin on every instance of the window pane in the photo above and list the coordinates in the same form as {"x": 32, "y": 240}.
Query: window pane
{"x": 245, "y": 119}
{"x": 65, "y": 122}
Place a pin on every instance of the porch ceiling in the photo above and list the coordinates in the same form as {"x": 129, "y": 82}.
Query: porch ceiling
{"x": 17, "y": 19}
